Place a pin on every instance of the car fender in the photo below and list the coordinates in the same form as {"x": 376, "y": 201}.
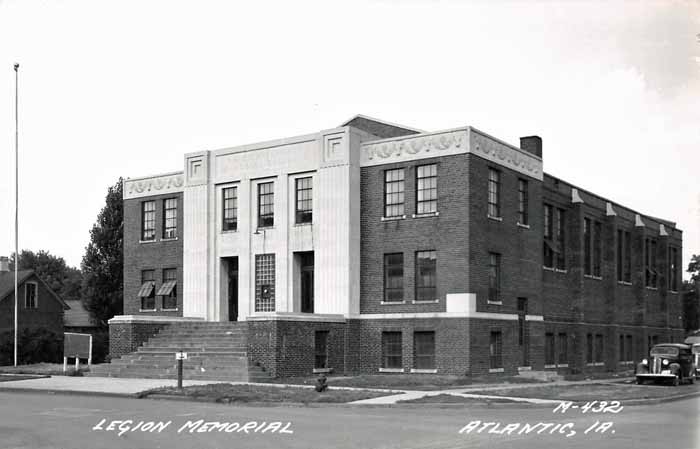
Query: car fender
{"x": 642, "y": 368}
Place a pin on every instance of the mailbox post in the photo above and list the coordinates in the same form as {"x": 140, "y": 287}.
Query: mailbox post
{"x": 180, "y": 356}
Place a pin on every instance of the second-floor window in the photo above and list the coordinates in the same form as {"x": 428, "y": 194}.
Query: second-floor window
{"x": 554, "y": 239}
{"x": 592, "y": 247}
{"x": 624, "y": 256}
{"x": 230, "y": 209}
{"x": 266, "y": 205}
{"x": 394, "y": 193}
{"x": 426, "y": 189}
{"x": 148, "y": 220}
{"x": 494, "y": 193}
{"x": 494, "y": 277}
{"x": 651, "y": 275}
{"x": 559, "y": 227}
{"x": 426, "y": 282}
{"x": 523, "y": 199}
{"x": 673, "y": 264}
{"x": 304, "y": 189}
{"x": 393, "y": 277}
{"x": 170, "y": 218}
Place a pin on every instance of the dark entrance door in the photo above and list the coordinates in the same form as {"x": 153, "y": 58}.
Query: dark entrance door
{"x": 307, "y": 282}
{"x": 233, "y": 289}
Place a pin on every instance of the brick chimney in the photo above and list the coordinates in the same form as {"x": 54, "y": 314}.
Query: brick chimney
{"x": 532, "y": 144}
{"x": 4, "y": 264}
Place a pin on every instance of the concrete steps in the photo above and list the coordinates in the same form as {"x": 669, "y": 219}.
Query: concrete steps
{"x": 215, "y": 351}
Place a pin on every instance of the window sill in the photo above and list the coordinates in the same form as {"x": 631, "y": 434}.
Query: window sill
{"x": 322, "y": 370}
{"x": 491, "y": 217}
{"x": 402, "y": 217}
{"x": 496, "y": 370}
{"x": 624, "y": 283}
{"x": 432, "y": 301}
{"x": 495, "y": 303}
{"x": 391, "y": 370}
{"x": 652, "y": 288}
{"x": 388, "y": 303}
{"x": 524, "y": 226}
{"x": 595, "y": 364}
{"x": 673, "y": 291}
{"x": 627, "y": 362}
{"x": 428, "y": 214}
{"x": 148, "y": 241}
{"x": 171, "y": 239}
{"x": 301, "y": 225}
{"x": 148, "y": 310}
{"x": 555, "y": 366}
{"x": 590, "y": 276}
{"x": 265, "y": 228}
{"x": 423, "y": 371}
{"x": 229, "y": 231}
{"x": 169, "y": 310}
{"x": 524, "y": 368}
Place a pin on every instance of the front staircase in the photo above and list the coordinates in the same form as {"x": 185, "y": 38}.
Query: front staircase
{"x": 215, "y": 351}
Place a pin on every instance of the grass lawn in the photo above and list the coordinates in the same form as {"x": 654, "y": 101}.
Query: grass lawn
{"x": 600, "y": 375}
{"x": 595, "y": 392}
{"x": 6, "y": 378}
{"x": 451, "y": 399}
{"x": 223, "y": 392}
{"x": 49, "y": 369}
{"x": 427, "y": 382}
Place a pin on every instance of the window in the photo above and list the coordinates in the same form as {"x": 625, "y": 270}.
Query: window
{"x": 304, "y": 189}
{"x": 169, "y": 289}
{"x": 147, "y": 292}
{"x": 496, "y": 350}
{"x": 264, "y": 282}
{"x": 554, "y": 242}
{"x": 651, "y": 275}
{"x": 673, "y": 264}
{"x": 424, "y": 350}
{"x": 321, "y": 349}
{"x": 30, "y": 295}
{"x": 426, "y": 189}
{"x": 391, "y": 350}
{"x": 523, "y": 199}
{"x": 599, "y": 348}
{"x": 589, "y": 348}
{"x": 230, "y": 209}
{"x": 597, "y": 248}
{"x": 621, "y": 348}
{"x": 560, "y": 224}
{"x": 393, "y": 193}
{"x": 629, "y": 349}
{"x": 624, "y": 256}
{"x": 393, "y": 277}
{"x": 494, "y": 277}
{"x": 548, "y": 245}
{"x": 266, "y": 205}
{"x": 563, "y": 346}
{"x": 170, "y": 218}
{"x": 549, "y": 348}
{"x": 592, "y": 249}
{"x": 426, "y": 284}
{"x": 494, "y": 193}
{"x": 148, "y": 220}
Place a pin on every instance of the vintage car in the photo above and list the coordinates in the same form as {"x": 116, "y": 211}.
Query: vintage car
{"x": 672, "y": 362}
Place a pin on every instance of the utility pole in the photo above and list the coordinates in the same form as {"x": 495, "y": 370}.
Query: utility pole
{"x": 16, "y": 204}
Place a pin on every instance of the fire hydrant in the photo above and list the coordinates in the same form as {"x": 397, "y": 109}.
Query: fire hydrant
{"x": 321, "y": 383}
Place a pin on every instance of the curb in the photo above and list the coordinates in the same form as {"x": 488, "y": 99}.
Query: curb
{"x": 67, "y": 392}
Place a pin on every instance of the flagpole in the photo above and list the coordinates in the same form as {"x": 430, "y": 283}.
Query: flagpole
{"x": 16, "y": 203}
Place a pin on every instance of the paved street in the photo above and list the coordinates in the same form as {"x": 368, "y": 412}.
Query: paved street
{"x": 40, "y": 420}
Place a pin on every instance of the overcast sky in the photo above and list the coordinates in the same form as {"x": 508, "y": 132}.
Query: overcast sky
{"x": 125, "y": 88}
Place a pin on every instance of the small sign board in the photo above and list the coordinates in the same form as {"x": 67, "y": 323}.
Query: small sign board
{"x": 77, "y": 345}
{"x": 180, "y": 356}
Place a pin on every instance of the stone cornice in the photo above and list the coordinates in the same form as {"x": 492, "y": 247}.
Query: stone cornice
{"x": 154, "y": 185}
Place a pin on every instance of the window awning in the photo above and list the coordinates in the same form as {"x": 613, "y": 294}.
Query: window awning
{"x": 554, "y": 247}
{"x": 146, "y": 289}
{"x": 166, "y": 288}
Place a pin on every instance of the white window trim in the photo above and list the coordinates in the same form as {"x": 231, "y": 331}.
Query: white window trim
{"x": 424, "y": 371}
{"x": 391, "y": 303}
{"x": 391, "y": 370}
{"x": 398, "y": 217}
{"x": 496, "y": 370}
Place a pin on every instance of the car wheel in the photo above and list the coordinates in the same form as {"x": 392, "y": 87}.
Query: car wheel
{"x": 676, "y": 380}
{"x": 691, "y": 380}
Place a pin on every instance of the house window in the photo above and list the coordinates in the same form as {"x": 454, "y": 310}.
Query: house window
{"x": 424, "y": 350}
{"x": 548, "y": 244}
{"x": 169, "y": 289}
{"x": 30, "y": 295}
{"x": 304, "y": 189}
{"x": 592, "y": 250}
{"x": 494, "y": 277}
{"x": 496, "y": 350}
{"x": 394, "y": 193}
{"x": 148, "y": 220}
{"x": 321, "y": 349}
{"x": 391, "y": 350}
{"x": 523, "y": 199}
{"x": 393, "y": 277}
{"x": 624, "y": 256}
{"x": 549, "y": 348}
{"x": 494, "y": 193}
{"x": 426, "y": 189}
{"x": 147, "y": 292}
{"x": 598, "y": 348}
{"x": 562, "y": 345}
{"x": 266, "y": 205}
{"x": 560, "y": 225}
{"x": 170, "y": 218}
{"x": 426, "y": 283}
{"x": 230, "y": 209}
{"x": 673, "y": 269}
{"x": 264, "y": 282}
{"x": 650, "y": 263}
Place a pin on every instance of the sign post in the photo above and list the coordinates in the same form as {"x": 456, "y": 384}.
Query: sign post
{"x": 180, "y": 356}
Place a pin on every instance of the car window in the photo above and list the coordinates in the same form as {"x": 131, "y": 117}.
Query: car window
{"x": 664, "y": 350}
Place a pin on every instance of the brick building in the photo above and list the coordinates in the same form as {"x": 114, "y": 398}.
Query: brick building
{"x": 374, "y": 247}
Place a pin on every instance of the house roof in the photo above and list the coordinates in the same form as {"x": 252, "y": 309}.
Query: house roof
{"x": 77, "y": 316}
{"x": 380, "y": 128}
{"x": 7, "y": 284}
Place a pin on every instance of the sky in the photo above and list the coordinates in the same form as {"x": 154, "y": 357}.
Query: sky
{"x": 125, "y": 89}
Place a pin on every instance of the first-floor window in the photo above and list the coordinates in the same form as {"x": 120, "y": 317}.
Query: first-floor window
{"x": 426, "y": 283}
{"x": 496, "y": 350}
{"x": 621, "y": 348}
{"x": 321, "y": 349}
{"x": 598, "y": 348}
{"x": 391, "y": 350}
{"x": 563, "y": 349}
{"x": 30, "y": 295}
{"x": 494, "y": 277}
{"x": 265, "y": 283}
{"x": 629, "y": 349}
{"x": 549, "y": 348}
{"x": 424, "y": 350}
{"x": 147, "y": 292}
{"x": 589, "y": 348}
{"x": 169, "y": 288}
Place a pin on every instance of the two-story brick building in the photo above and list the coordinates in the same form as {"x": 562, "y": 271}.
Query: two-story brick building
{"x": 375, "y": 247}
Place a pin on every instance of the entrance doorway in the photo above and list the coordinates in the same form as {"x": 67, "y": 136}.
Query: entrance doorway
{"x": 233, "y": 288}
{"x": 306, "y": 265}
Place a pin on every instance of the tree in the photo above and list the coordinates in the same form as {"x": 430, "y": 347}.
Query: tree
{"x": 694, "y": 268}
{"x": 64, "y": 280}
{"x": 102, "y": 264}
{"x": 691, "y": 296}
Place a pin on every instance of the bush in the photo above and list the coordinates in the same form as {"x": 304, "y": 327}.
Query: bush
{"x": 35, "y": 346}
{"x": 100, "y": 346}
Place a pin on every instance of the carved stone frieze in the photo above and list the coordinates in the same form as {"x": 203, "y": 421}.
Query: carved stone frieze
{"x": 505, "y": 155}
{"x": 153, "y": 186}
{"x": 410, "y": 148}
